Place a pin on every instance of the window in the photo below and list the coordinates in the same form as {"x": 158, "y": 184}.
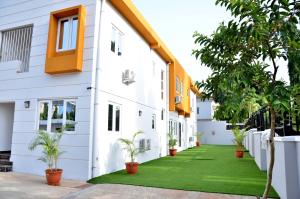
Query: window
{"x": 162, "y": 114}
{"x": 114, "y": 115}
{"x": 162, "y": 84}
{"x": 175, "y": 128}
{"x": 67, "y": 33}
{"x": 198, "y": 111}
{"x": 181, "y": 88}
{"x": 171, "y": 126}
{"x": 153, "y": 125}
{"x": 177, "y": 85}
{"x": 55, "y": 114}
{"x": 15, "y": 44}
{"x": 116, "y": 41}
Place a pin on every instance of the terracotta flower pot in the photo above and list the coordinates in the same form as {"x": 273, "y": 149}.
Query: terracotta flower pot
{"x": 197, "y": 144}
{"x": 132, "y": 167}
{"x": 172, "y": 152}
{"x": 53, "y": 176}
{"x": 239, "y": 154}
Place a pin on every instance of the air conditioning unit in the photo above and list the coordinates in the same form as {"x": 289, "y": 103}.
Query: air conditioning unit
{"x": 128, "y": 77}
{"x": 177, "y": 99}
{"x": 142, "y": 145}
{"x": 148, "y": 144}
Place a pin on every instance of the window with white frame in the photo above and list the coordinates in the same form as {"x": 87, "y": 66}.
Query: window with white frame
{"x": 114, "y": 116}
{"x": 116, "y": 44}
{"x": 177, "y": 84}
{"x": 162, "y": 84}
{"x": 153, "y": 123}
{"x": 15, "y": 44}
{"x": 56, "y": 114}
{"x": 175, "y": 128}
{"x": 181, "y": 88}
{"x": 67, "y": 33}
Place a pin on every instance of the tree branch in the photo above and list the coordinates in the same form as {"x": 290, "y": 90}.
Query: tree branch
{"x": 273, "y": 62}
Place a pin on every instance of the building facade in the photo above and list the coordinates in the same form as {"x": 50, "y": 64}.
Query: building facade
{"x": 97, "y": 68}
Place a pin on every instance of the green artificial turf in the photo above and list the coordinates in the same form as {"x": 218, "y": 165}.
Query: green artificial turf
{"x": 210, "y": 168}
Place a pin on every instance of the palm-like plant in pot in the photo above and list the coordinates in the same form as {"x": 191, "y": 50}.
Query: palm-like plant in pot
{"x": 198, "y": 135}
{"x": 172, "y": 144}
{"x": 132, "y": 151}
{"x": 239, "y": 136}
{"x": 51, "y": 152}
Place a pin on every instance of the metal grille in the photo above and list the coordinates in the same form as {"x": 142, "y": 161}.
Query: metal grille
{"x": 15, "y": 45}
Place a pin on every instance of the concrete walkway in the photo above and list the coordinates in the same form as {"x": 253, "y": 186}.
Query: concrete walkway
{"x": 23, "y": 186}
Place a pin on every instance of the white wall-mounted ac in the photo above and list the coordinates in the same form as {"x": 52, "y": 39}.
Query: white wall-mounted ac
{"x": 178, "y": 99}
{"x": 128, "y": 77}
{"x": 144, "y": 145}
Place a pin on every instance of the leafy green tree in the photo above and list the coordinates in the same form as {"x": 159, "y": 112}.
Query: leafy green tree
{"x": 243, "y": 55}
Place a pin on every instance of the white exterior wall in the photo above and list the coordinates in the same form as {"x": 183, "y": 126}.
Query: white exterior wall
{"x": 6, "y": 125}
{"x": 206, "y": 111}
{"x": 215, "y": 132}
{"x": 36, "y": 85}
{"x": 142, "y": 95}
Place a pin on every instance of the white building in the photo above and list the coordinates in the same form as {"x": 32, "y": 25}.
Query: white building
{"x": 214, "y": 132}
{"x": 96, "y": 67}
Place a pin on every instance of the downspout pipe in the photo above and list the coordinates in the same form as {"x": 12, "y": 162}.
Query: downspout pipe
{"x": 96, "y": 97}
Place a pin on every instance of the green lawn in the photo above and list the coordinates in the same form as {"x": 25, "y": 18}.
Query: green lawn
{"x": 209, "y": 168}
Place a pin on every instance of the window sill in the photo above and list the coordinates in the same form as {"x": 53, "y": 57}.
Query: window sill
{"x": 11, "y": 65}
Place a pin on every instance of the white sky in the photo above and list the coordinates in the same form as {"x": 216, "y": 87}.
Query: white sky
{"x": 175, "y": 21}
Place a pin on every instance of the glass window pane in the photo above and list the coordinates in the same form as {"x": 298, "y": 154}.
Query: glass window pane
{"x": 120, "y": 44}
{"x": 70, "y": 116}
{"x": 117, "y": 120}
{"x": 74, "y": 33}
{"x": 153, "y": 121}
{"x": 63, "y": 34}
{"x": 43, "y": 116}
{"x": 113, "y": 40}
{"x": 110, "y": 117}
{"x": 57, "y": 115}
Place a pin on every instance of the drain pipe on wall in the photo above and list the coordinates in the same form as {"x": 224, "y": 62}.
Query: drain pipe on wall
{"x": 96, "y": 98}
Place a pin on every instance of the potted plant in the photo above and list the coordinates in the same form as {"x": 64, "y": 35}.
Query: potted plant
{"x": 49, "y": 142}
{"x": 132, "y": 151}
{"x": 239, "y": 136}
{"x": 172, "y": 144}
{"x": 198, "y": 135}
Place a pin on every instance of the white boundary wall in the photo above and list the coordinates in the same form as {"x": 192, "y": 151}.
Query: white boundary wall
{"x": 286, "y": 173}
{"x": 215, "y": 132}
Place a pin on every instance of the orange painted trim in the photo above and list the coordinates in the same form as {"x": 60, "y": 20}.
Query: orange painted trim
{"x": 65, "y": 61}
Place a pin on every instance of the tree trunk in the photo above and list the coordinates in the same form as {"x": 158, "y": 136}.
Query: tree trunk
{"x": 272, "y": 154}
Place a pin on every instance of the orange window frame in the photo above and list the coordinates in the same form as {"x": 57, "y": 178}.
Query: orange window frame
{"x": 67, "y": 60}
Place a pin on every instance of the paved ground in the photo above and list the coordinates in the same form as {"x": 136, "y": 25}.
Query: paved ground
{"x": 23, "y": 186}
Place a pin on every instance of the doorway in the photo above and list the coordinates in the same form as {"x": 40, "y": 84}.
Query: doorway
{"x": 7, "y": 111}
